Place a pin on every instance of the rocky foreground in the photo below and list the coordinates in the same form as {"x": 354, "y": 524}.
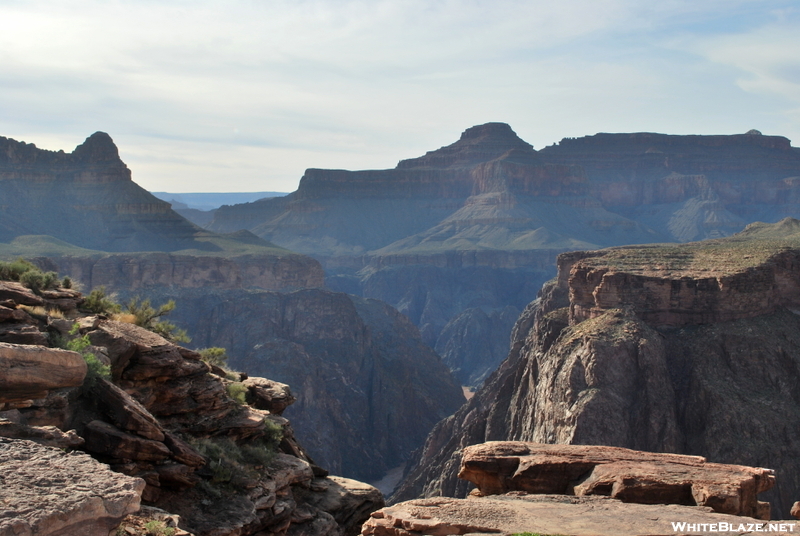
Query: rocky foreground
{"x": 207, "y": 445}
{"x": 588, "y": 491}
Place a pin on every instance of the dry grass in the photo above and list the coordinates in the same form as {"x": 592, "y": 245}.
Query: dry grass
{"x": 127, "y": 318}
{"x": 38, "y": 310}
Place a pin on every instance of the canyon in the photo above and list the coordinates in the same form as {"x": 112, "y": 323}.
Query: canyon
{"x": 688, "y": 349}
{"x": 234, "y": 290}
{"x": 454, "y": 237}
{"x": 163, "y": 428}
{"x": 344, "y": 289}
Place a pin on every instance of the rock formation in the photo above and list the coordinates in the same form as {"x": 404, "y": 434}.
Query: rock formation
{"x": 588, "y": 490}
{"x": 164, "y": 418}
{"x": 688, "y": 349}
{"x": 75, "y": 207}
{"x": 628, "y": 475}
{"x": 466, "y": 226}
{"x": 368, "y": 389}
{"x": 564, "y": 515}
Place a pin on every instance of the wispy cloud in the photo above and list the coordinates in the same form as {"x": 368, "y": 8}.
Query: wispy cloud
{"x": 202, "y": 96}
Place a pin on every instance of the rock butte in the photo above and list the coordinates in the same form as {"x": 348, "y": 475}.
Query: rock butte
{"x": 696, "y": 353}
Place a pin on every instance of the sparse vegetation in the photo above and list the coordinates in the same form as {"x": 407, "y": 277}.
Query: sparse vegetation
{"x": 41, "y": 312}
{"x": 237, "y": 391}
{"x": 229, "y": 461}
{"x": 214, "y": 356}
{"x": 99, "y": 303}
{"x": 158, "y": 528}
{"x": 29, "y": 275}
{"x": 149, "y": 317}
{"x": 80, "y": 344}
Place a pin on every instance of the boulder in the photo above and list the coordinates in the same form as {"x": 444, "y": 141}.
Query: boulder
{"x": 350, "y": 502}
{"x": 46, "y": 491}
{"x": 632, "y": 476}
{"x": 18, "y": 294}
{"x": 269, "y": 395}
{"x": 28, "y": 372}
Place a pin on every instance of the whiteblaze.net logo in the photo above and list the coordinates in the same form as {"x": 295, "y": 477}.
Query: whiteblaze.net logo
{"x": 723, "y": 526}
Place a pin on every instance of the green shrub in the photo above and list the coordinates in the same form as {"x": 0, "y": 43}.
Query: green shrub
{"x": 237, "y": 391}
{"x": 158, "y": 528}
{"x": 37, "y": 281}
{"x": 96, "y": 368}
{"x": 229, "y": 460}
{"x": 148, "y": 317}
{"x": 97, "y": 302}
{"x": 214, "y": 356}
{"x": 11, "y": 271}
{"x": 66, "y": 282}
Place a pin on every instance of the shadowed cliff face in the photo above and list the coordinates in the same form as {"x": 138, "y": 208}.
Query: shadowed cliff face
{"x": 368, "y": 389}
{"x": 612, "y": 353}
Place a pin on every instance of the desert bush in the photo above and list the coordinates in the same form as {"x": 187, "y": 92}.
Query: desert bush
{"x": 11, "y": 271}
{"x": 229, "y": 460}
{"x": 66, "y": 282}
{"x": 237, "y": 391}
{"x": 214, "y": 356}
{"x": 96, "y": 368}
{"x": 149, "y": 317}
{"x": 97, "y": 302}
{"x": 158, "y": 528}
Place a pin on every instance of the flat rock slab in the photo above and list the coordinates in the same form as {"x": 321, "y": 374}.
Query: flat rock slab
{"x": 31, "y": 371}
{"x": 629, "y": 475}
{"x": 559, "y": 514}
{"x": 45, "y": 491}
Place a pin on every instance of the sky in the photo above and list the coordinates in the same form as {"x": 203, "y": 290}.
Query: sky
{"x": 241, "y": 96}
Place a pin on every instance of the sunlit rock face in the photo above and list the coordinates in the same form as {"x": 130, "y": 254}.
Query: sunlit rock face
{"x": 688, "y": 349}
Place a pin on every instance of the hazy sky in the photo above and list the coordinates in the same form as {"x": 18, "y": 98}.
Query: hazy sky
{"x": 244, "y": 96}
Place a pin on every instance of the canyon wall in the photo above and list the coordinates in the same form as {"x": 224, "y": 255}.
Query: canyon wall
{"x": 612, "y": 353}
{"x": 490, "y": 203}
{"x": 368, "y": 389}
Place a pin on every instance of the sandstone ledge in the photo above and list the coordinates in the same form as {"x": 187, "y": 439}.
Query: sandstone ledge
{"x": 44, "y": 491}
{"x": 629, "y": 475}
{"x": 555, "y": 514}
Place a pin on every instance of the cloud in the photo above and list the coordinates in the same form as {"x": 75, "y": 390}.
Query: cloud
{"x": 253, "y": 91}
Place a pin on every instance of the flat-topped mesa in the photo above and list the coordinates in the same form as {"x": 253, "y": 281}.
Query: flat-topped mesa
{"x": 688, "y": 284}
{"x": 637, "y": 157}
{"x": 487, "y": 158}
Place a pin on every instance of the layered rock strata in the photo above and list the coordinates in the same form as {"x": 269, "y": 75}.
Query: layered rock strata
{"x": 461, "y": 227}
{"x": 142, "y": 271}
{"x": 86, "y": 198}
{"x": 647, "y": 372}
